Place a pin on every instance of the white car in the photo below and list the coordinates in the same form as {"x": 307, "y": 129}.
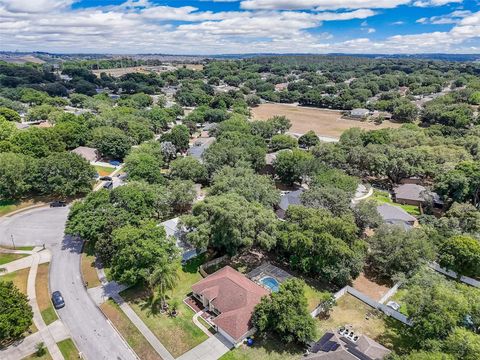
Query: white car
{"x": 392, "y": 304}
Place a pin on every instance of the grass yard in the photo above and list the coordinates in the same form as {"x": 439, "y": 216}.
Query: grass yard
{"x": 131, "y": 334}
{"x": 177, "y": 334}
{"x": 46, "y": 356}
{"x": 384, "y": 197}
{"x": 398, "y": 298}
{"x": 270, "y": 349}
{"x": 19, "y": 278}
{"x": 8, "y": 206}
{"x": 365, "y": 320}
{"x": 104, "y": 170}
{"x": 68, "y": 349}
{"x": 89, "y": 272}
{"x": 314, "y": 297}
{"x": 43, "y": 295}
{"x": 5, "y": 258}
{"x": 323, "y": 122}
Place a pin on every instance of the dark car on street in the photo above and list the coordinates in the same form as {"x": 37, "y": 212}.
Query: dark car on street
{"x": 106, "y": 178}
{"x": 58, "y": 203}
{"x": 108, "y": 185}
{"x": 57, "y": 300}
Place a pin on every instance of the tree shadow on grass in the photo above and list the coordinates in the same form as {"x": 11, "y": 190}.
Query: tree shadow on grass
{"x": 396, "y": 336}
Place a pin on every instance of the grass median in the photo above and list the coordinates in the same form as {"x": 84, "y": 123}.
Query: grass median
{"x": 43, "y": 295}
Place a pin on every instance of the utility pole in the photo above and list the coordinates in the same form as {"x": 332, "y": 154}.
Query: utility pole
{"x": 13, "y": 242}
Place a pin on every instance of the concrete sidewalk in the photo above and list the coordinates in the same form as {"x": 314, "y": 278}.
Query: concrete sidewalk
{"x": 26, "y": 262}
{"x": 27, "y": 346}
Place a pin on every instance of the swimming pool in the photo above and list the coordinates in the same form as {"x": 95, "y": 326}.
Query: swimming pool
{"x": 270, "y": 283}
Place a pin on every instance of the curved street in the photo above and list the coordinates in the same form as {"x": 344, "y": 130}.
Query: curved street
{"x": 94, "y": 336}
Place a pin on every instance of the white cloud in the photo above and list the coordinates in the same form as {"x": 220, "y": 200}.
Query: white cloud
{"x": 35, "y": 6}
{"x": 320, "y": 4}
{"x": 452, "y": 18}
{"x": 429, "y": 3}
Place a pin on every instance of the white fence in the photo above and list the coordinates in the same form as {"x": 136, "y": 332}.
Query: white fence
{"x": 453, "y": 274}
{"x": 367, "y": 300}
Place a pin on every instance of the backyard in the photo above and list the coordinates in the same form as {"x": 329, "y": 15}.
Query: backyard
{"x": 324, "y": 122}
{"x": 178, "y": 334}
{"x": 104, "y": 170}
{"x": 383, "y": 197}
{"x": 364, "y": 320}
{"x": 268, "y": 349}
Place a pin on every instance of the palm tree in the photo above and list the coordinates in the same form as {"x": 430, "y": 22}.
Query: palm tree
{"x": 162, "y": 279}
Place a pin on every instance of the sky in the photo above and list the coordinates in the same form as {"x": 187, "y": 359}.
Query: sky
{"x": 206, "y": 27}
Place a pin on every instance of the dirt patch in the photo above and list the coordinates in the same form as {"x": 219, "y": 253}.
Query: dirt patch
{"x": 327, "y": 123}
{"x": 89, "y": 272}
{"x": 19, "y": 279}
{"x": 370, "y": 288}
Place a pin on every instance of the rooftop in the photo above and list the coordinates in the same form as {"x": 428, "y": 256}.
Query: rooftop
{"x": 234, "y": 296}
{"x": 415, "y": 192}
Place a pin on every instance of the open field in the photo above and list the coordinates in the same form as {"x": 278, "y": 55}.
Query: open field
{"x": 131, "y": 334}
{"x": 324, "y": 122}
{"x": 177, "y": 334}
{"x": 43, "y": 295}
{"x": 144, "y": 69}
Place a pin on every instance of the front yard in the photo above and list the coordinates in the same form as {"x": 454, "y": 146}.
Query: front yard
{"x": 5, "y": 258}
{"x": 178, "y": 334}
{"x": 87, "y": 263}
{"x": 129, "y": 331}
{"x": 383, "y": 197}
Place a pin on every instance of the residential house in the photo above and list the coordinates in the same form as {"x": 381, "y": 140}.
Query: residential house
{"x": 230, "y": 298}
{"x": 333, "y": 346}
{"x": 395, "y": 215}
{"x": 359, "y": 113}
{"x": 281, "y": 87}
{"x": 289, "y": 198}
{"x": 173, "y": 228}
{"x": 88, "y": 153}
{"x": 417, "y": 195}
{"x": 199, "y": 147}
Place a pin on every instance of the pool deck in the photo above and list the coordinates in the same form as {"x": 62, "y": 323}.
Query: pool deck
{"x": 268, "y": 270}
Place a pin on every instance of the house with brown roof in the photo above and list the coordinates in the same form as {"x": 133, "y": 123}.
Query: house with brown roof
{"x": 334, "y": 346}
{"x": 230, "y": 297}
{"x": 88, "y": 153}
{"x": 417, "y": 195}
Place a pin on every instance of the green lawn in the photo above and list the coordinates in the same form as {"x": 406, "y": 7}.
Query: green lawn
{"x": 8, "y": 206}
{"x": 104, "y": 170}
{"x": 384, "y": 197}
{"x": 177, "y": 334}
{"x": 270, "y": 349}
{"x": 398, "y": 298}
{"x": 45, "y": 356}
{"x": 129, "y": 331}
{"x": 5, "y": 258}
{"x": 68, "y": 349}
{"x": 315, "y": 297}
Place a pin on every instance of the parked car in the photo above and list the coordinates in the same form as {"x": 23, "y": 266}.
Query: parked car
{"x": 57, "y": 300}
{"x": 58, "y": 203}
{"x": 395, "y": 306}
{"x": 106, "y": 178}
{"x": 108, "y": 185}
{"x": 114, "y": 162}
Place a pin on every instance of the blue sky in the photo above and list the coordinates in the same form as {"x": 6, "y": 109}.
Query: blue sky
{"x": 241, "y": 26}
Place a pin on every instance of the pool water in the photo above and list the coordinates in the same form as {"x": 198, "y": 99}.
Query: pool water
{"x": 271, "y": 283}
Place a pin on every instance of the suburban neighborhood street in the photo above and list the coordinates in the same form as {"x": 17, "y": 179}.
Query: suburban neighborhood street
{"x": 94, "y": 336}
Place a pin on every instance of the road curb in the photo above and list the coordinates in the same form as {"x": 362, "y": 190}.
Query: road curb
{"x": 36, "y": 206}
{"x": 100, "y": 309}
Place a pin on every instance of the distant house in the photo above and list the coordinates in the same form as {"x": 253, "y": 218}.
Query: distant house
{"x": 230, "y": 297}
{"x": 359, "y": 113}
{"x": 333, "y": 346}
{"x": 172, "y": 228}
{"x": 290, "y": 198}
{"x": 199, "y": 147}
{"x": 395, "y": 215}
{"x": 281, "y": 87}
{"x": 417, "y": 195}
{"x": 88, "y": 153}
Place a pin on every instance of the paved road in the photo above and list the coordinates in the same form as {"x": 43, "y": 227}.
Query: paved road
{"x": 94, "y": 336}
